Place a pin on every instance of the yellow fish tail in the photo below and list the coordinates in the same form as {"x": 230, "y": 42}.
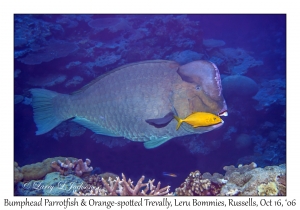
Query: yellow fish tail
{"x": 179, "y": 122}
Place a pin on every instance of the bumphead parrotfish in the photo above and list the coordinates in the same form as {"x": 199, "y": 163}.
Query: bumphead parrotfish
{"x": 137, "y": 101}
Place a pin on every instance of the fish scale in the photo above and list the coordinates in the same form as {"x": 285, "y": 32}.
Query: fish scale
{"x": 133, "y": 94}
{"x": 120, "y": 102}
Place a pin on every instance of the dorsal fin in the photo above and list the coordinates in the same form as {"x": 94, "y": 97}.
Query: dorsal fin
{"x": 117, "y": 69}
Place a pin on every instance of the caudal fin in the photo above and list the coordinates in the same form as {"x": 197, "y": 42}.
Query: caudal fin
{"x": 44, "y": 112}
{"x": 179, "y": 122}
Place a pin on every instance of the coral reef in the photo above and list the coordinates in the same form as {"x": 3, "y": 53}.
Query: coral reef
{"x": 62, "y": 166}
{"x": 243, "y": 180}
{"x": 47, "y": 81}
{"x": 112, "y": 24}
{"x": 78, "y": 166}
{"x": 53, "y": 184}
{"x": 67, "y": 21}
{"x": 246, "y": 180}
{"x": 108, "y": 175}
{"x": 94, "y": 184}
{"x": 237, "y": 61}
{"x": 53, "y": 49}
{"x": 196, "y": 185}
{"x": 98, "y": 191}
{"x": 74, "y": 81}
{"x": 115, "y": 186}
{"x": 39, "y": 170}
{"x": 271, "y": 92}
{"x": 31, "y": 32}
{"x": 249, "y": 180}
{"x": 281, "y": 184}
{"x": 240, "y": 169}
{"x": 94, "y": 180}
{"x": 18, "y": 176}
{"x": 266, "y": 150}
{"x": 267, "y": 189}
{"x": 82, "y": 167}
{"x": 184, "y": 57}
{"x": 73, "y": 64}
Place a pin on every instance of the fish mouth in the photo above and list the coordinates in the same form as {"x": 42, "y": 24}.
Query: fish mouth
{"x": 218, "y": 124}
{"x": 215, "y": 126}
{"x": 223, "y": 113}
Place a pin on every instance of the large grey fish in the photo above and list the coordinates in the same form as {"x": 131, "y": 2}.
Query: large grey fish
{"x": 137, "y": 101}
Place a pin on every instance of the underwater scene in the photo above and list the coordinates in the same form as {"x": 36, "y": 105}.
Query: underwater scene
{"x": 149, "y": 104}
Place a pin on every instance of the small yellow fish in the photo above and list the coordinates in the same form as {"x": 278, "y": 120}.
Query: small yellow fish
{"x": 199, "y": 119}
{"x": 169, "y": 174}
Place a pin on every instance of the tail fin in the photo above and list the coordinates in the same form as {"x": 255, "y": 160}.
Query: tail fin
{"x": 44, "y": 113}
{"x": 179, "y": 122}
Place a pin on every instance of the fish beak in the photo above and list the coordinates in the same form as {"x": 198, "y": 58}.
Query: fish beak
{"x": 225, "y": 113}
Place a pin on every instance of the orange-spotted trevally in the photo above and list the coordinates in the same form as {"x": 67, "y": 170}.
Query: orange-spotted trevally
{"x": 137, "y": 101}
{"x": 198, "y": 119}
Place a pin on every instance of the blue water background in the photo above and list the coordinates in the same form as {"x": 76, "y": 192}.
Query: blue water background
{"x": 92, "y": 49}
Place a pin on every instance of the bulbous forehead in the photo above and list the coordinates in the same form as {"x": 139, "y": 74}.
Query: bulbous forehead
{"x": 206, "y": 87}
{"x": 205, "y": 74}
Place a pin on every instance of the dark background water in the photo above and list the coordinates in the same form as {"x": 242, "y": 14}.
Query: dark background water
{"x": 93, "y": 47}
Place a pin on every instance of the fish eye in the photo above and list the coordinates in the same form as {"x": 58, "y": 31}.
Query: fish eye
{"x": 198, "y": 87}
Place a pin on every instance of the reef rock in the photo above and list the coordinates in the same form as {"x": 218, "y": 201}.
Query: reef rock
{"x": 51, "y": 50}
{"x": 248, "y": 180}
{"x": 271, "y": 92}
{"x": 39, "y": 170}
{"x": 18, "y": 176}
{"x": 196, "y": 184}
{"x": 245, "y": 180}
{"x": 238, "y": 61}
{"x": 54, "y": 184}
{"x": 185, "y": 56}
{"x": 239, "y": 86}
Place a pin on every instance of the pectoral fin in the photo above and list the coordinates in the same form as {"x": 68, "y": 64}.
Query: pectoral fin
{"x": 161, "y": 122}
